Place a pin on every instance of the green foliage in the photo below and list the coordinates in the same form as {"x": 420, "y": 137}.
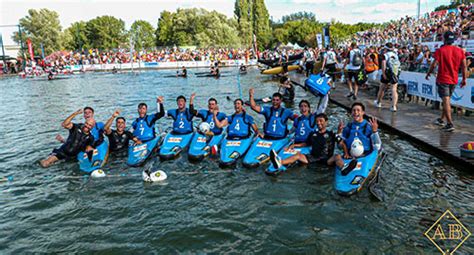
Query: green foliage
{"x": 41, "y": 26}
{"x": 197, "y": 27}
{"x": 453, "y": 5}
{"x": 106, "y": 32}
{"x": 299, "y": 16}
{"x": 75, "y": 36}
{"x": 341, "y": 32}
{"x": 142, "y": 34}
{"x": 261, "y": 24}
{"x": 253, "y": 19}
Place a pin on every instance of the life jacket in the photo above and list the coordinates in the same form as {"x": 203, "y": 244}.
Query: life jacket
{"x": 304, "y": 127}
{"x": 143, "y": 129}
{"x": 274, "y": 125}
{"x": 98, "y": 133}
{"x": 183, "y": 122}
{"x": 362, "y": 133}
{"x": 238, "y": 126}
{"x": 371, "y": 64}
{"x": 76, "y": 141}
{"x": 117, "y": 141}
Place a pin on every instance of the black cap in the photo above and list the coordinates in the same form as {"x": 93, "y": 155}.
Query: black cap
{"x": 449, "y": 37}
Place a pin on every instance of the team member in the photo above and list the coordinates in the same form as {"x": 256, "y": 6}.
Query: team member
{"x": 182, "y": 117}
{"x": 239, "y": 124}
{"x": 289, "y": 89}
{"x": 144, "y": 126}
{"x": 119, "y": 138}
{"x": 184, "y": 72}
{"x": 79, "y": 139}
{"x": 390, "y": 72}
{"x": 304, "y": 125}
{"x": 98, "y": 130}
{"x": 360, "y": 131}
{"x": 322, "y": 144}
{"x": 208, "y": 115}
{"x": 449, "y": 58}
{"x": 353, "y": 64}
{"x": 276, "y": 117}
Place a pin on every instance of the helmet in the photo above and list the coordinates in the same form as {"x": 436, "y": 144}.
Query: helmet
{"x": 204, "y": 127}
{"x": 98, "y": 173}
{"x": 154, "y": 176}
{"x": 357, "y": 148}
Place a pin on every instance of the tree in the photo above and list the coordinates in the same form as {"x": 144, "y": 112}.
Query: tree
{"x": 164, "y": 29}
{"x": 106, "y": 32}
{"x": 243, "y": 10}
{"x": 261, "y": 23}
{"x": 143, "y": 34}
{"x": 41, "y": 27}
{"x": 76, "y": 36}
{"x": 299, "y": 16}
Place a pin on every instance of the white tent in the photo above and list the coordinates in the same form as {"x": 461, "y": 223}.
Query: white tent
{"x": 297, "y": 47}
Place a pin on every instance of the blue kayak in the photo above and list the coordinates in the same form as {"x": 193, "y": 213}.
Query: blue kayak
{"x": 139, "y": 153}
{"x": 259, "y": 151}
{"x": 200, "y": 146}
{"x": 233, "y": 149}
{"x": 173, "y": 144}
{"x": 98, "y": 160}
{"x": 355, "y": 179}
{"x": 284, "y": 154}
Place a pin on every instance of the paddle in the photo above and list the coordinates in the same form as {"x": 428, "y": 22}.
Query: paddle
{"x": 373, "y": 186}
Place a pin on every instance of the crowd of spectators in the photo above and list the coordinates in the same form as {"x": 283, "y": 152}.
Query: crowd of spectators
{"x": 409, "y": 31}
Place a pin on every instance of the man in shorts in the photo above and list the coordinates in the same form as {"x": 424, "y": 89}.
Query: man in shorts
{"x": 449, "y": 59}
{"x": 353, "y": 64}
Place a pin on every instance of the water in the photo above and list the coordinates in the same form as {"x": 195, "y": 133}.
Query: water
{"x": 201, "y": 208}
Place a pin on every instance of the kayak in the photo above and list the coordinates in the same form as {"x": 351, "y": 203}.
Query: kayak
{"x": 274, "y": 62}
{"x": 98, "y": 160}
{"x": 139, "y": 153}
{"x": 173, "y": 144}
{"x": 233, "y": 149}
{"x": 353, "y": 182}
{"x": 284, "y": 154}
{"x": 277, "y": 70}
{"x": 259, "y": 151}
{"x": 200, "y": 146}
{"x": 318, "y": 84}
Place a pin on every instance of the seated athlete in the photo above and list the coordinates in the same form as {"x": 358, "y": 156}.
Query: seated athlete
{"x": 182, "y": 117}
{"x": 358, "y": 131}
{"x": 144, "y": 126}
{"x": 208, "y": 115}
{"x": 184, "y": 72}
{"x": 304, "y": 124}
{"x": 119, "y": 138}
{"x": 322, "y": 144}
{"x": 79, "y": 139}
{"x": 276, "y": 116}
{"x": 98, "y": 130}
{"x": 289, "y": 89}
{"x": 239, "y": 124}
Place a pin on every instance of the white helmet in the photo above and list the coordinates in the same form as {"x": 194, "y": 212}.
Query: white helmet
{"x": 204, "y": 127}
{"x": 154, "y": 177}
{"x": 357, "y": 148}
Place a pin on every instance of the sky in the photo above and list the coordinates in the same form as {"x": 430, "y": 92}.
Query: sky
{"x": 347, "y": 11}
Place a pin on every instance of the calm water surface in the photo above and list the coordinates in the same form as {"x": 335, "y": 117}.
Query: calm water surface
{"x": 201, "y": 208}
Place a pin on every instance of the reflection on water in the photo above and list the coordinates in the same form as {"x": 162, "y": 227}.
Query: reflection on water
{"x": 201, "y": 208}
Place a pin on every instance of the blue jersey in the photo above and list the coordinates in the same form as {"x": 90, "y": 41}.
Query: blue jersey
{"x": 144, "y": 128}
{"x": 183, "y": 121}
{"x": 275, "y": 121}
{"x": 239, "y": 125}
{"x": 362, "y": 130}
{"x": 304, "y": 126}
{"x": 208, "y": 117}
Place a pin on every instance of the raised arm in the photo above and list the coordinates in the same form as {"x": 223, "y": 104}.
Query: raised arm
{"x": 160, "y": 109}
{"x": 254, "y": 105}
{"x": 109, "y": 122}
{"x": 219, "y": 124}
{"x": 193, "y": 111}
{"x": 67, "y": 123}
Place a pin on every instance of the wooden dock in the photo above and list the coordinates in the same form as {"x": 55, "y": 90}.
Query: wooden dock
{"x": 414, "y": 122}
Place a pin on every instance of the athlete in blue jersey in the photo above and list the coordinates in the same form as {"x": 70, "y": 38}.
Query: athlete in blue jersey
{"x": 276, "y": 117}
{"x": 182, "y": 117}
{"x": 143, "y": 128}
{"x": 98, "y": 130}
{"x": 357, "y": 131}
{"x": 240, "y": 124}
{"x": 304, "y": 124}
{"x": 208, "y": 115}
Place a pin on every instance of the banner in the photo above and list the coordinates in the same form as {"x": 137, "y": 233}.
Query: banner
{"x": 417, "y": 85}
{"x": 42, "y": 51}
{"x": 30, "y": 48}
{"x": 326, "y": 36}
{"x": 319, "y": 40}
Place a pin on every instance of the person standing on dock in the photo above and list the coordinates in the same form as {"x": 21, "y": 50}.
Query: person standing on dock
{"x": 353, "y": 64}
{"x": 390, "y": 73}
{"x": 449, "y": 58}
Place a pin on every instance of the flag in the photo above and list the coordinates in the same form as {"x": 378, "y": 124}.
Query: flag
{"x": 42, "y": 51}
{"x": 30, "y": 48}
